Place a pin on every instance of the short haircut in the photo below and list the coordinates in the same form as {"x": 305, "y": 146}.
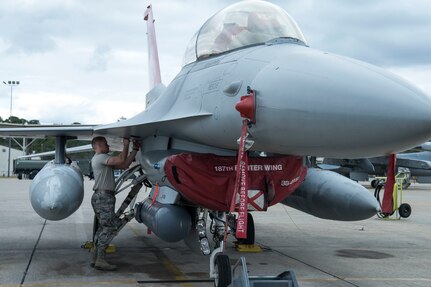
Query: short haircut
{"x": 97, "y": 140}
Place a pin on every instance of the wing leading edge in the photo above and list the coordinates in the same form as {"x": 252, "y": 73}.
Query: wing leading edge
{"x": 48, "y": 131}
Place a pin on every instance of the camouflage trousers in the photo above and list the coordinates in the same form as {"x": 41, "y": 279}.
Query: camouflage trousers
{"x": 108, "y": 223}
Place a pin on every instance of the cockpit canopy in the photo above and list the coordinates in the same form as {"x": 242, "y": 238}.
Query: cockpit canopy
{"x": 239, "y": 25}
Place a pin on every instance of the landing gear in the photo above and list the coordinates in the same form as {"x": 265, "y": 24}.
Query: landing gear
{"x": 220, "y": 268}
{"x": 250, "y": 232}
{"x": 223, "y": 274}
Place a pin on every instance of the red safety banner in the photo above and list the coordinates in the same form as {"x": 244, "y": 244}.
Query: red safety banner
{"x": 387, "y": 202}
{"x": 241, "y": 186}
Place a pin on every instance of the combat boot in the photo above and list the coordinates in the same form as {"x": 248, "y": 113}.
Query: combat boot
{"x": 101, "y": 263}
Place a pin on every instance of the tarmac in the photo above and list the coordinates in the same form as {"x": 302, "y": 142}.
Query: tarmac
{"x": 374, "y": 252}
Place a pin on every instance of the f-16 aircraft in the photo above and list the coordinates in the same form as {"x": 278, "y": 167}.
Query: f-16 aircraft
{"x": 415, "y": 164}
{"x": 248, "y": 74}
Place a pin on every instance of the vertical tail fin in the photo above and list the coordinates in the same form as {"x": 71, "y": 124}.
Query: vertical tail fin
{"x": 153, "y": 54}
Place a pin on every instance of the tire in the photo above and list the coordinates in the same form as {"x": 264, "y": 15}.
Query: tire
{"x": 32, "y": 174}
{"x": 406, "y": 183}
{"x": 224, "y": 271}
{"x": 405, "y": 210}
{"x": 20, "y": 176}
{"x": 374, "y": 183}
{"x": 250, "y": 231}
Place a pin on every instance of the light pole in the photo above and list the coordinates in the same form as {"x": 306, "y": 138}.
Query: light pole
{"x": 11, "y": 84}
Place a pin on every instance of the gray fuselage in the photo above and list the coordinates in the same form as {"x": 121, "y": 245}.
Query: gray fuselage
{"x": 308, "y": 102}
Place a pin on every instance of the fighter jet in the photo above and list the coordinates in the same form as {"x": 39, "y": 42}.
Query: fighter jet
{"x": 248, "y": 74}
{"x": 411, "y": 164}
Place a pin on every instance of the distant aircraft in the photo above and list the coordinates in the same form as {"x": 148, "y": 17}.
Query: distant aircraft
{"x": 415, "y": 164}
{"x": 248, "y": 73}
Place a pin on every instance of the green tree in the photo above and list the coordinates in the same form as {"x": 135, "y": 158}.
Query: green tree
{"x": 15, "y": 120}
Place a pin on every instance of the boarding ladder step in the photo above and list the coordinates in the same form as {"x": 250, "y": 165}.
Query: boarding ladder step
{"x": 242, "y": 279}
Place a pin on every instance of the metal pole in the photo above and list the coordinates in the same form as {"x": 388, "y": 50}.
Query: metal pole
{"x": 11, "y": 84}
{"x": 10, "y": 107}
{"x": 8, "y": 160}
{"x": 10, "y": 119}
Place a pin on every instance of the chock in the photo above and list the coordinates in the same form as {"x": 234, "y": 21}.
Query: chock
{"x": 90, "y": 246}
{"x": 247, "y": 248}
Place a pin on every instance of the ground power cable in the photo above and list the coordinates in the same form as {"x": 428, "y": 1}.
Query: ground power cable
{"x": 307, "y": 264}
{"x": 32, "y": 253}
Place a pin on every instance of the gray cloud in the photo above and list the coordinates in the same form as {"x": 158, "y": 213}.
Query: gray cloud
{"x": 99, "y": 59}
{"x": 385, "y": 32}
{"x": 55, "y": 47}
{"x": 32, "y": 28}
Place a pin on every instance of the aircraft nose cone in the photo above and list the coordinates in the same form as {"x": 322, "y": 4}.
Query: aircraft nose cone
{"x": 327, "y": 105}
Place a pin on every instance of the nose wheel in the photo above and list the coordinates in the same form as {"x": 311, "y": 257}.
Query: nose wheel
{"x": 220, "y": 267}
{"x": 223, "y": 271}
{"x": 249, "y": 240}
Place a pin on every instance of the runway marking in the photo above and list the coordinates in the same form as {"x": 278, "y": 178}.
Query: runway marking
{"x": 77, "y": 283}
{"x": 365, "y": 279}
{"x": 169, "y": 265}
{"x": 32, "y": 253}
{"x": 335, "y": 277}
{"x": 390, "y": 279}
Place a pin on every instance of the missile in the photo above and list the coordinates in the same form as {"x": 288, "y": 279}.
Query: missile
{"x": 57, "y": 191}
{"x": 328, "y": 195}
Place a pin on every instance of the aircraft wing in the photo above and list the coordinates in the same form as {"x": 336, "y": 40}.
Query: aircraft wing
{"x": 73, "y": 131}
{"x": 412, "y": 162}
{"x": 139, "y": 126}
{"x": 78, "y": 149}
{"x": 140, "y": 129}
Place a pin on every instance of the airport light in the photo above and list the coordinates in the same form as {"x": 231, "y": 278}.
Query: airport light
{"x": 11, "y": 84}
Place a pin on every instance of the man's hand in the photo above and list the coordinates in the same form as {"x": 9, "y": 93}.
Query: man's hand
{"x": 126, "y": 142}
{"x": 136, "y": 144}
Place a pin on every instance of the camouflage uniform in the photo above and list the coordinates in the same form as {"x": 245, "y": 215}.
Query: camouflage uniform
{"x": 103, "y": 202}
{"x": 108, "y": 223}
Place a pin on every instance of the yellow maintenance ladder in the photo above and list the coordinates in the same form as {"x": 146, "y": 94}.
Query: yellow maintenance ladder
{"x": 399, "y": 209}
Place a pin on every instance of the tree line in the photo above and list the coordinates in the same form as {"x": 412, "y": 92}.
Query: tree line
{"x": 17, "y": 120}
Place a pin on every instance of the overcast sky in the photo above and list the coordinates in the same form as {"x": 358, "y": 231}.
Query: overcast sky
{"x": 86, "y": 61}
